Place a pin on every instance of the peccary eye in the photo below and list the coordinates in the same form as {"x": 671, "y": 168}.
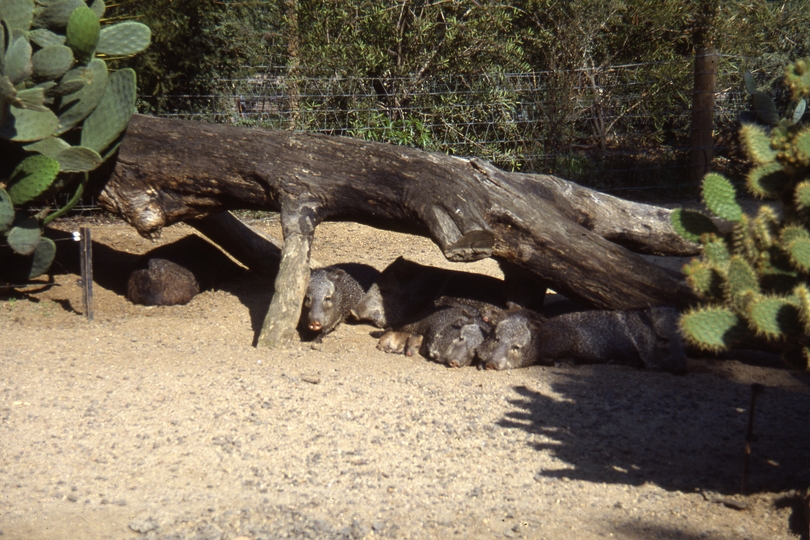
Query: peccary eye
{"x": 515, "y": 347}
{"x": 308, "y": 301}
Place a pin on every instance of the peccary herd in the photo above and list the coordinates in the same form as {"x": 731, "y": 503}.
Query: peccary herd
{"x": 455, "y": 318}
{"x": 461, "y": 319}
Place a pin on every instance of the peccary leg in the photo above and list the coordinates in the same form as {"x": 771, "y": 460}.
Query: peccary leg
{"x": 298, "y": 221}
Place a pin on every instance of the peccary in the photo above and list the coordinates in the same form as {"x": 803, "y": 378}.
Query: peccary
{"x": 447, "y": 335}
{"x": 162, "y": 283}
{"x": 406, "y": 290}
{"x": 332, "y": 292}
{"x": 400, "y": 342}
{"x": 174, "y": 273}
{"x": 643, "y": 338}
{"x": 463, "y": 347}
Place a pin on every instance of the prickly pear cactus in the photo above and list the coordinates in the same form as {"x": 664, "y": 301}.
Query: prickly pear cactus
{"x": 61, "y": 107}
{"x": 755, "y": 280}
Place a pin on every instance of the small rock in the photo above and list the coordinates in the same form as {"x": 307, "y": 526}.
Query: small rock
{"x": 143, "y": 525}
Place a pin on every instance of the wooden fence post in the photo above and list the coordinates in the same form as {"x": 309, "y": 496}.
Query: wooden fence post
{"x": 701, "y": 146}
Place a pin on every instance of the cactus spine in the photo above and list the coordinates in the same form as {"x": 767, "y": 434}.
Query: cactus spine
{"x": 755, "y": 279}
{"x": 61, "y": 107}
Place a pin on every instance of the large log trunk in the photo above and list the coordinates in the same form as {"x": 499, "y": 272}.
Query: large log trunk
{"x": 577, "y": 240}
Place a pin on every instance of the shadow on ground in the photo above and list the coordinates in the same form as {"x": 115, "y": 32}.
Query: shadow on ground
{"x": 212, "y": 268}
{"x": 685, "y": 433}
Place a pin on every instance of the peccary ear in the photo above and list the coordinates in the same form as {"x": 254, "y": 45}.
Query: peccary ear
{"x": 335, "y": 274}
{"x": 511, "y": 305}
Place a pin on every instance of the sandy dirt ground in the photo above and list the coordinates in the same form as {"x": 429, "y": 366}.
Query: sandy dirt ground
{"x": 167, "y": 423}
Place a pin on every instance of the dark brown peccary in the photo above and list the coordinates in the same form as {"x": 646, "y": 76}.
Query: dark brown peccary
{"x": 162, "y": 283}
{"x": 642, "y": 338}
{"x": 181, "y": 270}
{"x": 331, "y": 294}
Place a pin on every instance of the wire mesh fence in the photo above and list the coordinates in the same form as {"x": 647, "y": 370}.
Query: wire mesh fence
{"x": 622, "y": 129}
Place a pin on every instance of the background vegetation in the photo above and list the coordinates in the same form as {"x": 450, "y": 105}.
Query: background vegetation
{"x": 532, "y": 85}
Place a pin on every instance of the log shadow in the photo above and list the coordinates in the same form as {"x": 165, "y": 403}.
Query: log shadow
{"x": 685, "y": 433}
{"x": 111, "y": 267}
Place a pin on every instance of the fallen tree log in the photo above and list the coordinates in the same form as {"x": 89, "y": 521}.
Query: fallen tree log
{"x": 576, "y": 240}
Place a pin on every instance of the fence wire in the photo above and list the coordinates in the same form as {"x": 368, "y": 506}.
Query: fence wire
{"x": 622, "y": 129}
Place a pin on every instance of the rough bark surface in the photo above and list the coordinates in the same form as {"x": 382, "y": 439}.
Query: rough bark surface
{"x": 575, "y": 239}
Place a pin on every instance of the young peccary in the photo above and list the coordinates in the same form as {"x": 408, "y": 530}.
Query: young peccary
{"x": 400, "y": 342}
{"x": 643, "y": 338}
{"x": 447, "y": 335}
{"x": 162, "y": 283}
{"x": 406, "y": 290}
{"x": 332, "y": 292}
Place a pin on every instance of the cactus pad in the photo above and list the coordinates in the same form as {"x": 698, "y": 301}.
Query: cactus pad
{"x": 17, "y": 63}
{"x": 691, "y": 224}
{"x": 6, "y": 211}
{"x": 19, "y": 268}
{"x": 797, "y": 77}
{"x": 801, "y": 144}
{"x": 98, "y": 7}
{"x": 24, "y": 125}
{"x": 741, "y": 278}
{"x": 716, "y": 252}
{"x": 703, "y": 278}
{"x": 24, "y": 237}
{"x": 83, "y": 31}
{"x": 112, "y": 115}
{"x": 712, "y": 328}
{"x": 51, "y": 62}
{"x": 50, "y": 147}
{"x": 773, "y": 317}
{"x": 768, "y": 180}
{"x": 42, "y": 258}
{"x": 802, "y": 295}
{"x": 77, "y": 106}
{"x": 798, "y": 112}
{"x": 802, "y": 195}
{"x": 17, "y": 13}
{"x": 78, "y": 159}
{"x": 720, "y": 197}
{"x": 757, "y": 144}
{"x": 32, "y": 99}
{"x": 31, "y": 178}
{"x": 45, "y": 38}
{"x": 55, "y": 15}
{"x": 124, "y": 39}
{"x": 765, "y": 108}
{"x": 799, "y": 251}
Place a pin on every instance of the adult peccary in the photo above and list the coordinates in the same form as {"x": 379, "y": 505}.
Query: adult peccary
{"x": 462, "y": 349}
{"x": 643, "y": 338}
{"x": 406, "y": 290}
{"x": 332, "y": 292}
{"x": 174, "y": 273}
{"x": 162, "y": 283}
